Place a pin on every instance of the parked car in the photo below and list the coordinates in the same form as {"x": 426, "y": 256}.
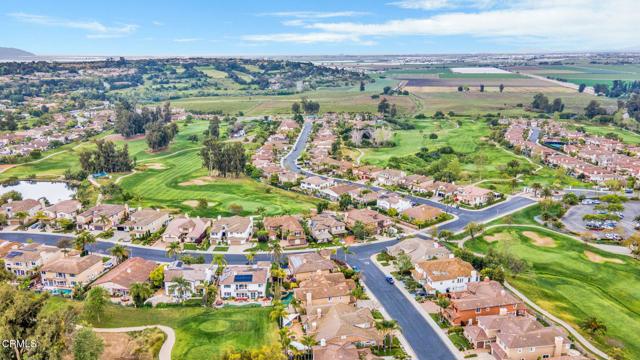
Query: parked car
{"x": 389, "y": 279}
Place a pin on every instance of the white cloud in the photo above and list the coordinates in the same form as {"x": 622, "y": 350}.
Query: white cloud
{"x": 186, "y": 40}
{"x": 157, "y": 23}
{"x": 306, "y": 38}
{"x": 443, "y": 4}
{"x": 314, "y": 14}
{"x": 95, "y": 29}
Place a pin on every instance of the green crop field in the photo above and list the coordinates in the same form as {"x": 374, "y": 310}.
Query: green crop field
{"x": 591, "y": 74}
{"x": 201, "y": 333}
{"x": 168, "y": 183}
{"x": 573, "y": 281}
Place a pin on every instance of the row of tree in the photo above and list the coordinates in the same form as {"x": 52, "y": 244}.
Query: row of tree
{"x": 223, "y": 158}
{"x": 306, "y": 106}
{"x": 541, "y": 103}
{"x": 130, "y": 122}
{"x": 106, "y": 157}
{"x": 159, "y": 134}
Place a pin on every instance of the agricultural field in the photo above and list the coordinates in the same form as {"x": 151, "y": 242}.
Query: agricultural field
{"x": 201, "y": 333}
{"x": 588, "y": 74}
{"x": 573, "y": 281}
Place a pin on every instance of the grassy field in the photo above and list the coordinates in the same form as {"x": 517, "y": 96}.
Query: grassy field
{"x": 574, "y": 281}
{"x": 590, "y": 74}
{"x": 201, "y": 333}
{"x": 166, "y": 184}
{"x": 626, "y": 135}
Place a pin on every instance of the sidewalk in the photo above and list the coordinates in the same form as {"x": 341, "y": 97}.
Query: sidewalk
{"x": 167, "y": 346}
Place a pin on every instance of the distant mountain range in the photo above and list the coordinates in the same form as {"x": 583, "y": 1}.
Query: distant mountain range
{"x": 9, "y": 53}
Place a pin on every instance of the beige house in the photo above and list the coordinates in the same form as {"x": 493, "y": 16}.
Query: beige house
{"x": 26, "y": 259}
{"x": 145, "y": 222}
{"x": 66, "y": 209}
{"x": 324, "y": 290}
{"x": 101, "y": 217}
{"x": 372, "y": 220}
{"x": 342, "y": 324}
{"x": 185, "y": 229}
{"x": 422, "y": 213}
{"x": 13, "y": 210}
{"x": 287, "y": 228}
{"x": 60, "y": 276}
{"x": 325, "y": 226}
{"x": 118, "y": 281}
{"x": 419, "y": 250}
{"x": 444, "y": 275}
{"x": 303, "y": 266}
{"x": 234, "y": 230}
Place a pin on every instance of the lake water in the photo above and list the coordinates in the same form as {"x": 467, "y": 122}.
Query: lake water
{"x": 53, "y": 191}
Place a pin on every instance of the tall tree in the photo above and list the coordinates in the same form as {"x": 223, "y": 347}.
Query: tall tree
{"x": 87, "y": 345}
{"x": 95, "y": 303}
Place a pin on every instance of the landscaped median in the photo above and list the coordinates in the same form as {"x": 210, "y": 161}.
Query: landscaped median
{"x": 447, "y": 339}
{"x": 574, "y": 282}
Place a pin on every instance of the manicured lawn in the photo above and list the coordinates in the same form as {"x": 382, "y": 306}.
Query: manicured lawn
{"x": 169, "y": 187}
{"x": 572, "y": 286}
{"x": 201, "y": 333}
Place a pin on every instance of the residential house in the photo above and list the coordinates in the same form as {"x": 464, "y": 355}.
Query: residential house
{"x": 334, "y": 192}
{"x": 196, "y": 275}
{"x": 529, "y": 343}
{"x": 324, "y": 290}
{"x": 390, "y": 177}
{"x": 61, "y": 275}
{"x": 474, "y": 196}
{"x": 422, "y": 214}
{"x": 20, "y": 211}
{"x": 23, "y": 261}
{"x": 7, "y": 246}
{"x": 186, "y": 229}
{"x": 101, "y": 217}
{"x": 325, "y": 226}
{"x": 119, "y": 280}
{"x": 325, "y": 351}
{"x": 343, "y": 324}
{"x": 316, "y": 183}
{"x": 372, "y": 220}
{"x": 244, "y": 282}
{"x": 145, "y": 222}
{"x": 66, "y": 209}
{"x": 303, "y": 266}
{"x": 287, "y": 228}
{"x": 444, "y": 275}
{"x": 235, "y": 230}
{"x": 419, "y": 250}
{"x": 482, "y": 299}
{"x": 392, "y": 201}
{"x": 484, "y": 332}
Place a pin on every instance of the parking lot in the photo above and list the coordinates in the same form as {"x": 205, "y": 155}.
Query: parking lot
{"x": 573, "y": 218}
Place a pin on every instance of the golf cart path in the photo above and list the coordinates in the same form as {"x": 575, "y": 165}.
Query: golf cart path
{"x": 165, "y": 350}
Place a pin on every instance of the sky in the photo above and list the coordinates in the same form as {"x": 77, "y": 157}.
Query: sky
{"x": 306, "y": 27}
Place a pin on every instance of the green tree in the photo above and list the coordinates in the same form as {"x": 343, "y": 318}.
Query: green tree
{"x": 443, "y": 302}
{"x": 87, "y": 345}
{"x": 173, "y": 250}
{"x": 95, "y": 303}
{"x": 119, "y": 252}
{"x": 157, "y": 276}
{"x": 473, "y": 229}
{"x": 386, "y": 327}
{"x": 180, "y": 287}
{"x": 140, "y": 292}
{"x": 404, "y": 263}
{"x": 278, "y": 313}
{"x": 344, "y": 202}
{"x": 83, "y": 239}
{"x": 593, "y": 326}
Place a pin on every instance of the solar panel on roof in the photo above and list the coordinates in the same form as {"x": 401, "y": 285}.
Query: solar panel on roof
{"x": 243, "y": 278}
{"x": 13, "y": 254}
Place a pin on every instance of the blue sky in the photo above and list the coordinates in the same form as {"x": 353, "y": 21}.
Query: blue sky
{"x": 283, "y": 27}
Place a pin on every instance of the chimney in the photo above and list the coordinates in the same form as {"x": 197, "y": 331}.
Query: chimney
{"x": 503, "y": 293}
{"x": 309, "y": 298}
{"x": 558, "y": 342}
{"x": 323, "y": 342}
{"x": 319, "y": 311}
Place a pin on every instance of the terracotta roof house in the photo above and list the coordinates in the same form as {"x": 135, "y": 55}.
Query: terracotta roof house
{"x": 235, "y": 230}
{"x": 324, "y": 290}
{"x": 444, "y": 275}
{"x": 101, "y": 217}
{"x": 23, "y": 260}
{"x": 373, "y": 220}
{"x": 530, "y": 343}
{"x": 13, "y": 208}
{"x": 6, "y": 246}
{"x": 118, "y": 281}
{"x": 325, "y": 226}
{"x": 419, "y": 250}
{"x": 473, "y": 195}
{"x": 334, "y": 192}
{"x": 487, "y": 327}
{"x": 325, "y": 351}
{"x": 66, "y": 209}
{"x": 185, "y": 229}
{"x": 197, "y": 275}
{"x": 145, "y": 222}
{"x": 422, "y": 213}
{"x": 481, "y": 299}
{"x": 287, "y": 228}
{"x": 392, "y": 201}
{"x": 389, "y": 176}
{"x": 343, "y": 324}
{"x": 316, "y": 183}
{"x": 303, "y": 266}
{"x": 60, "y": 276}
{"x": 245, "y": 282}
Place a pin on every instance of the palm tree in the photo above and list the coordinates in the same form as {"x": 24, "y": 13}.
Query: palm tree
{"x": 180, "y": 286}
{"x": 104, "y": 220}
{"x": 21, "y": 215}
{"x": 210, "y": 295}
{"x": 285, "y": 339}
{"x": 220, "y": 262}
{"x": 593, "y": 326}
{"x": 83, "y": 239}
{"x": 536, "y": 188}
{"x": 345, "y": 251}
{"x": 308, "y": 341}
{"x": 473, "y": 229}
{"x": 546, "y": 192}
{"x": 278, "y": 313}
{"x": 276, "y": 250}
{"x": 173, "y": 250}
{"x": 250, "y": 256}
{"x": 443, "y": 302}
{"x": 386, "y": 327}
{"x": 119, "y": 252}
{"x": 140, "y": 292}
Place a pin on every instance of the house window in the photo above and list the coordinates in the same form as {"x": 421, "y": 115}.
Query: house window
{"x": 545, "y": 356}
{"x": 532, "y": 349}
{"x": 477, "y": 310}
{"x": 519, "y": 351}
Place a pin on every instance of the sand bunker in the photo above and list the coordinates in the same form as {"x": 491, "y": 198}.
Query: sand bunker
{"x": 593, "y": 257}
{"x": 539, "y": 240}
{"x": 194, "y": 203}
{"x": 204, "y": 180}
{"x": 154, "y": 166}
{"x": 502, "y": 236}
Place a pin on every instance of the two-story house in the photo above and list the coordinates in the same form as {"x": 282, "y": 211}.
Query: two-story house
{"x": 101, "y": 217}
{"x": 303, "y": 266}
{"x": 66, "y": 209}
{"x": 325, "y": 226}
{"x": 316, "y": 183}
{"x": 287, "y": 229}
{"x": 20, "y": 211}
{"x": 244, "y": 282}
{"x": 145, "y": 222}
{"x": 60, "y": 276}
{"x": 185, "y": 229}
{"x": 444, "y": 275}
{"x": 392, "y": 201}
{"x": 234, "y": 230}
{"x": 196, "y": 275}
{"x": 26, "y": 259}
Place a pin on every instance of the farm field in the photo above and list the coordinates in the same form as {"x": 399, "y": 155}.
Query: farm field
{"x": 201, "y": 333}
{"x": 588, "y": 74}
{"x": 178, "y": 182}
{"x": 573, "y": 281}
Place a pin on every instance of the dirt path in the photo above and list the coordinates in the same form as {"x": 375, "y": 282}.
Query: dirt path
{"x": 165, "y": 351}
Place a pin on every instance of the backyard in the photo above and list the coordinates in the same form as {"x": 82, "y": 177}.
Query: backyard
{"x": 573, "y": 281}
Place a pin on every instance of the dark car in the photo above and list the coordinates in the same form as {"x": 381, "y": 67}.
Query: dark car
{"x": 389, "y": 279}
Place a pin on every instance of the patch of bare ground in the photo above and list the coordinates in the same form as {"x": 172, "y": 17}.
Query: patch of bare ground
{"x": 154, "y": 166}
{"x": 194, "y": 203}
{"x": 118, "y": 137}
{"x": 593, "y": 257}
{"x": 501, "y": 236}
{"x": 539, "y": 240}
{"x": 203, "y": 180}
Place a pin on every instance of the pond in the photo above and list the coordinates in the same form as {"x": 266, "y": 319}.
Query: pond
{"x": 53, "y": 191}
